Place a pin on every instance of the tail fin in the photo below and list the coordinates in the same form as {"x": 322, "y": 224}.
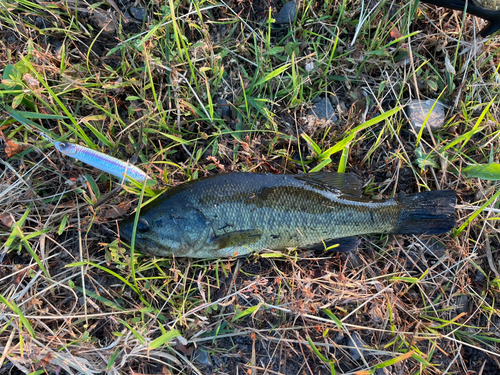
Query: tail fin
{"x": 492, "y": 27}
{"x": 430, "y": 212}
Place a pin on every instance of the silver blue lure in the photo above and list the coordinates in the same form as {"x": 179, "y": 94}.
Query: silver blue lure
{"x": 116, "y": 167}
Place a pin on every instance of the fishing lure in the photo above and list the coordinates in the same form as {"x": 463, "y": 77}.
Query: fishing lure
{"x": 471, "y": 7}
{"x": 109, "y": 164}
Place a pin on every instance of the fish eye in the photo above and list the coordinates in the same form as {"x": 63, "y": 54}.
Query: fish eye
{"x": 142, "y": 226}
{"x": 64, "y": 146}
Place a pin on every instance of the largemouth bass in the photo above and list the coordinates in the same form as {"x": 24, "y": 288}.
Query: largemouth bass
{"x": 239, "y": 213}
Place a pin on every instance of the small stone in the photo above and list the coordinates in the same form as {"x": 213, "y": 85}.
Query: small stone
{"x": 320, "y": 116}
{"x": 339, "y": 337}
{"x": 309, "y": 67}
{"x": 40, "y": 22}
{"x": 480, "y": 277}
{"x": 202, "y": 357}
{"x": 343, "y": 107}
{"x": 287, "y": 14}
{"x": 418, "y": 111}
{"x": 323, "y": 110}
{"x": 57, "y": 45}
{"x": 382, "y": 371}
{"x": 462, "y": 304}
{"x": 105, "y": 20}
{"x": 356, "y": 345}
{"x": 223, "y": 108}
{"x": 334, "y": 100}
{"x": 393, "y": 10}
{"x": 378, "y": 316}
{"x": 138, "y": 13}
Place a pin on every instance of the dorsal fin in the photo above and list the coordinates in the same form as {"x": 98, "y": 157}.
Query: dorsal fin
{"x": 347, "y": 183}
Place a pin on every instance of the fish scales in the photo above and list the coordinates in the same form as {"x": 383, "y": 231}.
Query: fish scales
{"x": 291, "y": 216}
{"x": 239, "y": 213}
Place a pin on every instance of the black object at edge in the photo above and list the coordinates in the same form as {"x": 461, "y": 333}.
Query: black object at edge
{"x": 493, "y": 16}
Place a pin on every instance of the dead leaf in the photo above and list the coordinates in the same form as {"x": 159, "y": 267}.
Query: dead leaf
{"x": 113, "y": 4}
{"x": 113, "y": 212}
{"x": 105, "y": 20}
{"x": 46, "y": 360}
{"x": 7, "y": 220}
{"x": 32, "y": 83}
{"x": 395, "y": 33}
{"x": 449, "y": 66}
{"x": 10, "y": 147}
{"x": 13, "y": 148}
{"x": 184, "y": 349}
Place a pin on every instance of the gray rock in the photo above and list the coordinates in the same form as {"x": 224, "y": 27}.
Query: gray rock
{"x": 57, "y": 46}
{"x": 309, "y": 67}
{"x": 462, "y": 303}
{"x": 418, "y": 110}
{"x": 339, "y": 337}
{"x": 480, "y": 277}
{"x": 138, "y": 13}
{"x": 334, "y": 100}
{"x": 356, "y": 345}
{"x": 287, "y": 14}
{"x": 105, "y": 20}
{"x": 202, "y": 357}
{"x": 223, "y": 108}
{"x": 323, "y": 110}
{"x": 378, "y": 316}
{"x": 382, "y": 371}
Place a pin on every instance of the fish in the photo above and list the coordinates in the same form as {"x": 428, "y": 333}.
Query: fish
{"x": 235, "y": 214}
{"x": 471, "y": 7}
{"x": 106, "y": 163}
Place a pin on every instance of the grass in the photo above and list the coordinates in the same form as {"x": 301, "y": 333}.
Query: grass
{"x": 75, "y": 299}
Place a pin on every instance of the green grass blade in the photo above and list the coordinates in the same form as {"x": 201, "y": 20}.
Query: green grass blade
{"x": 163, "y": 339}
{"x": 22, "y": 318}
{"x": 476, "y": 214}
{"x": 489, "y": 172}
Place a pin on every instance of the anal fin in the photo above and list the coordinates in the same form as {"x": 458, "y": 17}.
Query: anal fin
{"x": 339, "y": 245}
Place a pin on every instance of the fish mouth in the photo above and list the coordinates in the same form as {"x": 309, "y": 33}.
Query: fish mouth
{"x": 141, "y": 244}
{"x": 126, "y": 230}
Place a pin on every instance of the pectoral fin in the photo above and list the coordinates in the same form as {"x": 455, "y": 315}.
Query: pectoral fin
{"x": 340, "y": 245}
{"x": 237, "y": 238}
